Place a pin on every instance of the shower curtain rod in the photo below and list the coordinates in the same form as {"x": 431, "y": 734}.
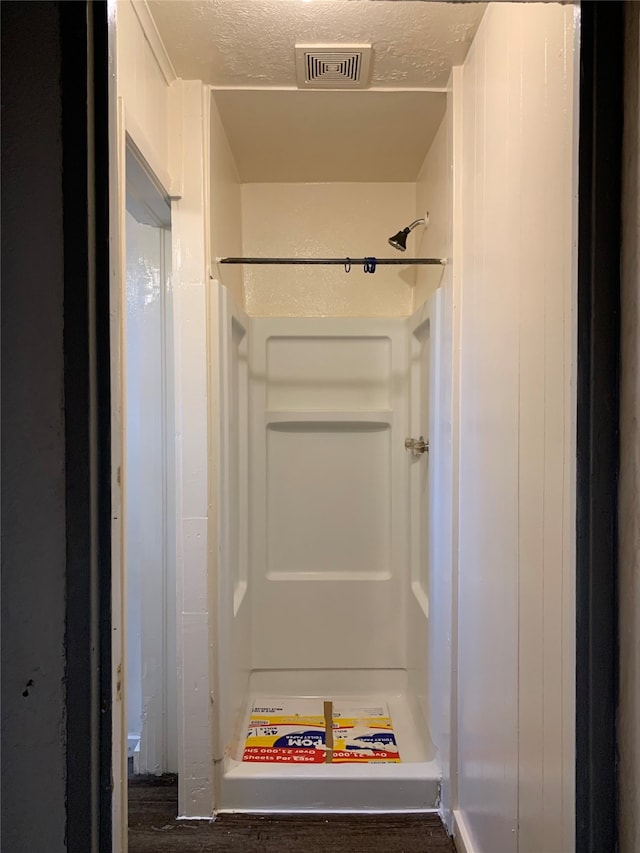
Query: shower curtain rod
{"x": 337, "y": 261}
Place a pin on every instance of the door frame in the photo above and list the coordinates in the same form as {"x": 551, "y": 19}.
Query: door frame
{"x": 598, "y": 353}
{"x": 599, "y": 240}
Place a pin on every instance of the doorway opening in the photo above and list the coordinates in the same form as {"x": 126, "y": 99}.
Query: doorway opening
{"x": 490, "y": 611}
{"x": 148, "y": 477}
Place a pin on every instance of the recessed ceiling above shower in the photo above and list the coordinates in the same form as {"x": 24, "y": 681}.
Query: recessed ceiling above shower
{"x": 319, "y": 137}
{"x": 282, "y": 130}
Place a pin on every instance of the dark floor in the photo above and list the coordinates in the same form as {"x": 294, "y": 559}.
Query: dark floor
{"x": 153, "y": 829}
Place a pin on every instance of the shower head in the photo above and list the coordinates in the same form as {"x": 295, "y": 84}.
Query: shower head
{"x": 399, "y": 240}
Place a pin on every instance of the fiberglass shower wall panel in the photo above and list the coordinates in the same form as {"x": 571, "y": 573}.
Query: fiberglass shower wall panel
{"x": 232, "y": 583}
{"x": 328, "y": 493}
{"x": 427, "y": 498}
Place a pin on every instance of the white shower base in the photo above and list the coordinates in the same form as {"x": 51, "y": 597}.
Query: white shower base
{"x": 410, "y": 786}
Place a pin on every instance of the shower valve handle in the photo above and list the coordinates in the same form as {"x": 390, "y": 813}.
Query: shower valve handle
{"x": 417, "y": 446}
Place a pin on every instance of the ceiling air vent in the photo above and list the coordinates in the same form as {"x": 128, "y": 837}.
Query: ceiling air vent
{"x": 333, "y": 66}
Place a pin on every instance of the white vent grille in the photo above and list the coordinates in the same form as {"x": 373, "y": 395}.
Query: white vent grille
{"x": 334, "y": 66}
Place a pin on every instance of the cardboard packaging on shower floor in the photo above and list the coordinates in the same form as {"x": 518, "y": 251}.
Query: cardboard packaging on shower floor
{"x": 294, "y": 730}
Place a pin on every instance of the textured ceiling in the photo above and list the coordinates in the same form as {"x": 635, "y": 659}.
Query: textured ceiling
{"x": 244, "y": 49}
{"x": 250, "y": 43}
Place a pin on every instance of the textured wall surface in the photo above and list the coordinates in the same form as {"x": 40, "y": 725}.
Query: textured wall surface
{"x": 629, "y": 508}
{"x": 517, "y": 423}
{"x": 326, "y": 220}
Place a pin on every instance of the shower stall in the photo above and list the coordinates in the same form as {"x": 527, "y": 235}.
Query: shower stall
{"x": 324, "y": 586}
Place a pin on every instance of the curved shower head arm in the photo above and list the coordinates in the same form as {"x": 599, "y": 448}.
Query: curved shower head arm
{"x": 422, "y": 221}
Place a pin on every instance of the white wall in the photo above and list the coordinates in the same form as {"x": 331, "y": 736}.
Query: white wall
{"x": 629, "y": 518}
{"x": 443, "y": 186}
{"x": 168, "y": 121}
{"x": 195, "y": 499}
{"x": 433, "y": 194}
{"x": 226, "y": 211}
{"x": 517, "y": 404}
{"x": 143, "y": 76}
{"x": 325, "y": 220}
{"x": 143, "y": 80}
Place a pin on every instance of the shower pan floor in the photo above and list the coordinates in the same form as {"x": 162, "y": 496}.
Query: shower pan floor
{"x": 263, "y": 785}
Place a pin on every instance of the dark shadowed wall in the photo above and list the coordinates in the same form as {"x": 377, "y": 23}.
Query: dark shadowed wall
{"x": 33, "y": 439}
{"x": 56, "y": 672}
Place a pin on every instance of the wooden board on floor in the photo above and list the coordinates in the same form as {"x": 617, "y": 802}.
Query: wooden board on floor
{"x": 153, "y": 829}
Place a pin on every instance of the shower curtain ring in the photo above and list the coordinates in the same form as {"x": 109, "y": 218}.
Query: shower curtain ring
{"x": 347, "y": 265}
